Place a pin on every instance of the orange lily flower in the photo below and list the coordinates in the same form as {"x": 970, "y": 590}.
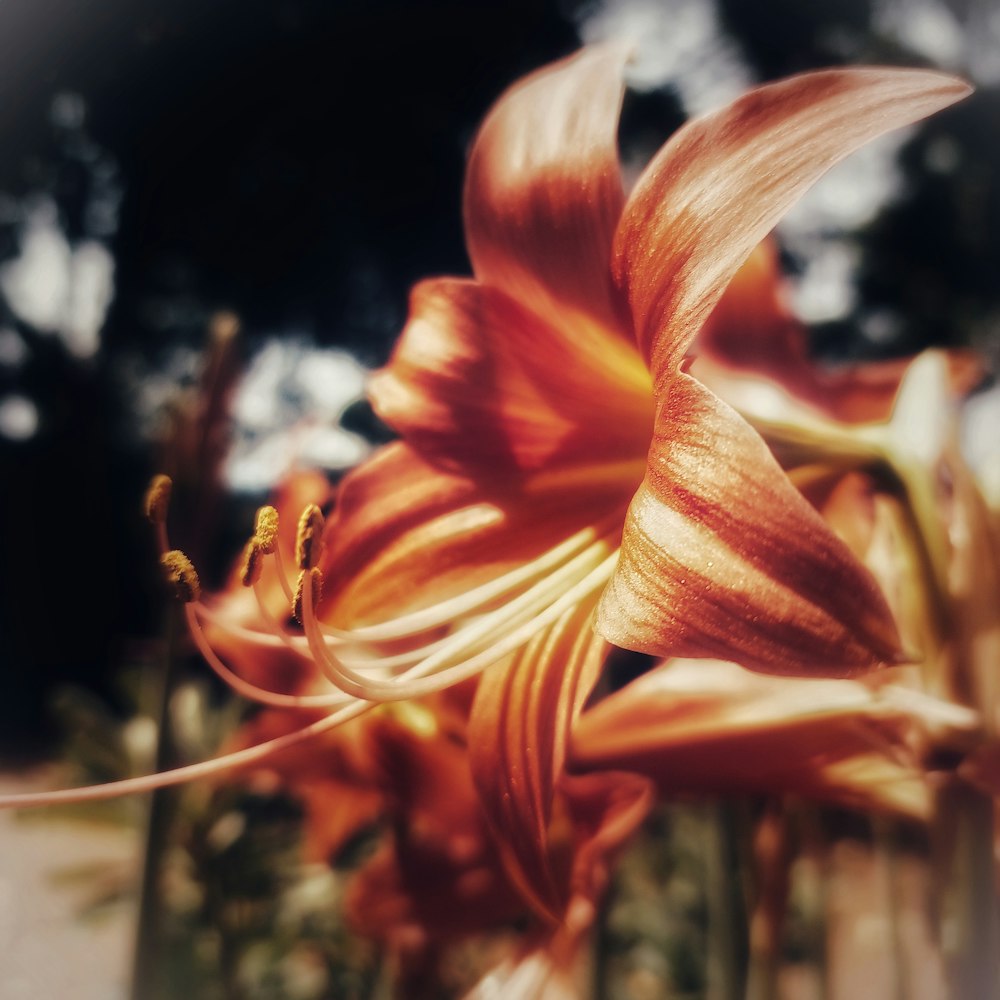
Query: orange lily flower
{"x": 532, "y": 399}
{"x": 558, "y": 465}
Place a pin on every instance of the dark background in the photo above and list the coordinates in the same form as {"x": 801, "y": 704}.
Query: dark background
{"x": 299, "y": 162}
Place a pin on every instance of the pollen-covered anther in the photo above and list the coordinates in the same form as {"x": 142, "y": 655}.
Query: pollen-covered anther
{"x": 181, "y": 576}
{"x": 309, "y": 540}
{"x": 316, "y": 581}
{"x": 266, "y": 529}
{"x": 157, "y": 499}
{"x": 253, "y": 562}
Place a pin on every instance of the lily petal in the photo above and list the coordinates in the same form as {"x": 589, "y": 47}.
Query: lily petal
{"x": 752, "y": 339}
{"x": 712, "y": 728}
{"x": 974, "y": 578}
{"x": 518, "y": 731}
{"x": 722, "y": 557}
{"x": 399, "y": 522}
{"x": 723, "y": 181}
{"x": 439, "y": 876}
{"x": 603, "y": 811}
{"x": 470, "y": 386}
{"x": 543, "y": 190}
{"x": 752, "y": 326}
{"x": 406, "y": 534}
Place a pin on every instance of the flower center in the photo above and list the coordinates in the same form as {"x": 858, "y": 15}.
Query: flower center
{"x": 442, "y": 645}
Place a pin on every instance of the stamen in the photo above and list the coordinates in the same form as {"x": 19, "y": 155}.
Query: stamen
{"x": 265, "y": 529}
{"x": 253, "y": 562}
{"x": 157, "y": 500}
{"x": 276, "y": 636}
{"x": 251, "y": 755}
{"x": 279, "y": 566}
{"x": 465, "y": 604}
{"x": 348, "y": 672}
{"x": 181, "y": 576}
{"x": 574, "y": 569}
{"x": 315, "y": 591}
{"x": 252, "y": 691}
{"x": 309, "y": 540}
{"x": 335, "y": 672}
{"x": 190, "y": 772}
{"x": 560, "y": 580}
{"x": 528, "y": 613}
{"x": 156, "y": 505}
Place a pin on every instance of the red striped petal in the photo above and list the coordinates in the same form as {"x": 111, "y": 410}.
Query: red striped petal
{"x": 518, "y": 730}
{"x": 723, "y": 181}
{"x": 711, "y": 728}
{"x": 543, "y": 190}
{"x": 479, "y": 383}
{"x": 406, "y": 534}
{"x": 722, "y": 557}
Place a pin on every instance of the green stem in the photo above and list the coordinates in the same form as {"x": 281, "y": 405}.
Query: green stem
{"x": 727, "y": 952}
{"x": 771, "y": 863}
{"x": 815, "y": 846}
{"x": 971, "y": 904}
{"x": 885, "y": 853}
{"x": 148, "y": 938}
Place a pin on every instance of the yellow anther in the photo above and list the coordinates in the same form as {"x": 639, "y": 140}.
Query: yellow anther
{"x": 181, "y": 576}
{"x": 158, "y": 498}
{"x": 266, "y": 529}
{"x": 316, "y": 577}
{"x": 253, "y": 562}
{"x": 309, "y": 540}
